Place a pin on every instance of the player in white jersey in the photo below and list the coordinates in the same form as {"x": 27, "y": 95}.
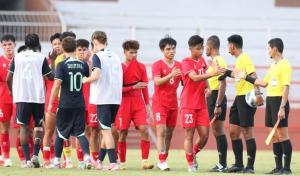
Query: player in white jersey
{"x": 26, "y": 82}
{"x": 106, "y": 90}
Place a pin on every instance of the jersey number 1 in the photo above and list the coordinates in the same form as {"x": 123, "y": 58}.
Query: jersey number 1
{"x": 73, "y": 81}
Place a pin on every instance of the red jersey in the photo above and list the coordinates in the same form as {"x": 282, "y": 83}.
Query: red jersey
{"x": 193, "y": 93}
{"x": 49, "y": 84}
{"x": 132, "y": 73}
{"x": 166, "y": 94}
{"x": 4, "y": 91}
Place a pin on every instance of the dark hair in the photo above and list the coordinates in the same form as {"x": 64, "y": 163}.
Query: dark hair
{"x": 214, "y": 41}
{"x": 69, "y": 44}
{"x": 278, "y": 43}
{"x": 237, "y": 40}
{"x": 67, "y": 34}
{"x": 167, "y": 41}
{"x": 82, "y": 43}
{"x": 131, "y": 44}
{"x": 22, "y": 48}
{"x": 32, "y": 41}
{"x": 8, "y": 37}
{"x": 100, "y": 36}
{"x": 55, "y": 36}
{"x": 195, "y": 40}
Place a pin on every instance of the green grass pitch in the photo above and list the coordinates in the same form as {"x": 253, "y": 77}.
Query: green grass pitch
{"x": 177, "y": 163}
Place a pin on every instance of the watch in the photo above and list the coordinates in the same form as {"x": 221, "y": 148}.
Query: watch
{"x": 217, "y": 105}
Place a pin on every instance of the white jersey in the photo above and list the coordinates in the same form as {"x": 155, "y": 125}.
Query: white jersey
{"x": 108, "y": 88}
{"x": 28, "y": 68}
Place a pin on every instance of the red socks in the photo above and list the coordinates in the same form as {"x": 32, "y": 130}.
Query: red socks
{"x": 196, "y": 149}
{"x": 162, "y": 157}
{"x": 19, "y": 149}
{"x": 122, "y": 147}
{"x": 95, "y": 155}
{"x": 5, "y": 145}
{"x": 79, "y": 153}
{"x": 145, "y": 146}
{"x": 189, "y": 158}
{"x": 46, "y": 154}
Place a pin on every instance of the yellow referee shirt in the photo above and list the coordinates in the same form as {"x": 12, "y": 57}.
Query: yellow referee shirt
{"x": 278, "y": 76}
{"x": 243, "y": 63}
{"x": 213, "y": 81}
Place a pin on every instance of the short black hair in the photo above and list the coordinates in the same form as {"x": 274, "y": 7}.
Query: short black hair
{"x": 32, "y": 41}
{"x": 214, "y": 41}
{"x": 8, "y": 37}
{"x": 55, "y": 36}
{"x": 167, "y": 41}
{"x": 22, "y": 48}
{"x": 237, "y": 40}
{"x": 278, "y": 43}
{"x": 195, "y": 40}
{"x": 67, "y": 34}
{"x": 82, "y": 43}
{"x": 69, "y": 44}
{"x": 131, "y": 44}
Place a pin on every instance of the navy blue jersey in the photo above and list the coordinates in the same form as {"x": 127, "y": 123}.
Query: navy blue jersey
{"x": 70, "y": 72}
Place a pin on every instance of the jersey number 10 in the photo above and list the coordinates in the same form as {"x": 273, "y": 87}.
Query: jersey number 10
{"x": 73, "y": 81}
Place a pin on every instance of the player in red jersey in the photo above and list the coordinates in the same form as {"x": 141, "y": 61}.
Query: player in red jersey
{"x": 167, "y": 75}
{"x": 50, "y": 120}
{"x": 135, "y": 98}
{"x": 6, "y": 104}
{"x": 193, "y": 109}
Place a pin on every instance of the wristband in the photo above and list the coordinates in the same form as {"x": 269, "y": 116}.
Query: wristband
{"x": 250, "y": 79}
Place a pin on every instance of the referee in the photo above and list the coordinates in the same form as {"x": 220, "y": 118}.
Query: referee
{"x": 277, "y": 81}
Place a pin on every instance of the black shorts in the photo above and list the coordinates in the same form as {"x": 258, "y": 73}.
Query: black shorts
{"x": 70, "y": 122}
{"x": 241, "y": 113}
{"x": 211, "y": 103}
{"x": 25, "y": 110}
{"x": 106, "y": 115}
{"x": 272, "y": 108}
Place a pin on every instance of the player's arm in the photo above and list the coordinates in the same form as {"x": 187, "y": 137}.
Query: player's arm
{"x": 95, "y": 74}
{"x": 162, "y": 80}
{"x": 10, "y": 74}
{"x": 252, "y": 78}
{"x": 201, "y": 77}
{"x": 46, "y": 71}
{"x": 221, "y": 94}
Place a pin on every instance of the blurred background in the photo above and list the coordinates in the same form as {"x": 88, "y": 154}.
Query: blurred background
{"x": 148, "y": 21}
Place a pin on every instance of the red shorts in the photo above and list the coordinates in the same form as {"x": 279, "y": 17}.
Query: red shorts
{"x": 6, "y": 111}
{"x": 131, "y": 109}
{"x": 92, "y": 116}
{"x": 164, "y": 116}
{"x": 14, "y": 123}
{"x": 191, "y": 118}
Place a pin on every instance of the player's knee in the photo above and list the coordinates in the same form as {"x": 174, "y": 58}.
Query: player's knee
{"x": 234, "y": 135}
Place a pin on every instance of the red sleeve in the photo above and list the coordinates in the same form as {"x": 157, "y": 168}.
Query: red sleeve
{"x": 127, "y": 89}
{"x": 156, "y": 70}
{"x": 186, "y": 67}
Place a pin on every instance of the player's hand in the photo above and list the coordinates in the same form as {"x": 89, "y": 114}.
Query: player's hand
{"x": 207, "y": 92}
{"x": 140, "y": 85}
{"x": 149, "y": 112}
{"x": 239, "y": 74}
{"x": 218, "y": 71}
{"x": 259, "y": 100}
{"x": 84, "y": 80}
{"x": 281, "y": 113}
{"x": 49, "y": 107}
{"x": 87, "y": 55}
{"x": 217, "y": 111}
{"x": 175, "y": 72}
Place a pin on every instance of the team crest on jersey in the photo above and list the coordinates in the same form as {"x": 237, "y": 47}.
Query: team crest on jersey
{"x": 4, "y": 65}
{"x": 165, "y": 71}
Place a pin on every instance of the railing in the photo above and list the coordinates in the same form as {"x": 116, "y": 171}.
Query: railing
{"x": 20, "y": 23}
